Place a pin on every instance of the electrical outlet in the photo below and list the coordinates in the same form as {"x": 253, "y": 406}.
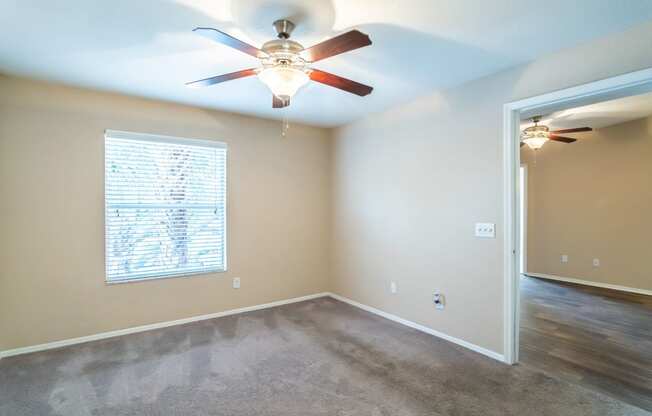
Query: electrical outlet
{"x": 485, "y": 230}
{"x": 596, "y": 262}
{"x": 564, "y": 258}
{"x": 392, "y": 287}
{"x": 438, "y": 300}
{"x": 236, "y": 283}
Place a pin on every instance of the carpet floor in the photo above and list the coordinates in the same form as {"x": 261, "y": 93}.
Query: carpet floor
{"x": 320, "y": 357}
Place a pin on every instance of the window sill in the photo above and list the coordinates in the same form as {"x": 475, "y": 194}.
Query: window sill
{"x": 172, "y": 276}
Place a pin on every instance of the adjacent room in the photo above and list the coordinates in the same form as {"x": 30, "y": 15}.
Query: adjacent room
{"x": 325, "y": 207}
{"x": 586, "y": 291}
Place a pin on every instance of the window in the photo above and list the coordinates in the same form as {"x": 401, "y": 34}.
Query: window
{"x": 165, "y": 206}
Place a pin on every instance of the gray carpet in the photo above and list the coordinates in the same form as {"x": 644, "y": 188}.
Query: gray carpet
{"x": 320, "y": 357}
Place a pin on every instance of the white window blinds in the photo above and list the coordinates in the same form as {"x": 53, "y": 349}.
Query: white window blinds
{"x": 165, "y": 209}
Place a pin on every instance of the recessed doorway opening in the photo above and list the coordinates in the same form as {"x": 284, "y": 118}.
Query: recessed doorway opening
{"x": 551, "y": 319}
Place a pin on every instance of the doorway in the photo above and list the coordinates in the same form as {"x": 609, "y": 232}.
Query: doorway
{"x": 633, "y": 83}
{"x": 566, "y": 325}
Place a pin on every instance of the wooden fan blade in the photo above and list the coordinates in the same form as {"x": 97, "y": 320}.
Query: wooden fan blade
{"x": 561, "y": 138}
{"x": 576, "y": 130}
{"x": 335, "y": 46}
{"x": 279, "y": 103}
{"x": 228, "y": 40}
{"x": 221, "y": 78}
{"x": 339, "y": 82}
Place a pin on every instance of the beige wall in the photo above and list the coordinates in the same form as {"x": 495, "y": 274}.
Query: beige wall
{"x": 52, "y": 213}
{"x": 393, "y": 197}
{"x": 592, "y": 199}
{"x": 410, "y": 183}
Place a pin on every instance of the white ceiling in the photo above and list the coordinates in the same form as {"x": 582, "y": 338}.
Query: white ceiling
{"x": 146, "y": 47}
{"x": 599, "y": 115}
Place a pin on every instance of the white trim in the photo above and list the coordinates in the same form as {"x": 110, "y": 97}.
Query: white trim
{"x": 634, "y": 83}
{"x": 147, "y": 137}
{"x": 164, "y": 276}
{"x": 511, "y": 243}
{"x": 419, "y": 327}
{"x": 143, "y": 328}
{"x": 590, "y": 283}
{"x": 159, "y": 325}
{"x": 158, "y": 138}
{"x": 523, "y": 209}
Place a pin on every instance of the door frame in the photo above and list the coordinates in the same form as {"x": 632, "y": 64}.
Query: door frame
{"x": 523, "y": 196}
{"x": 633, "y": 83}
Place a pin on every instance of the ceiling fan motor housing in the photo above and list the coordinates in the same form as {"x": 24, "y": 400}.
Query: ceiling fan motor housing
{"x": 536, "y": 129}
{"x": 535, "y": 133}
{"x": 283, "y": 28}
{"x": 283, "y": 52}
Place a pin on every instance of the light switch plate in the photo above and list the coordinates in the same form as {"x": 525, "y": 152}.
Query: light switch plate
{"x": 236, "y": 283}
{"x": 485, "y": 230}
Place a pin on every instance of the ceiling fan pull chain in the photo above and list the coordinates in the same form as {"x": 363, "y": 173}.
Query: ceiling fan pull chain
{"x": 285, "y": 123}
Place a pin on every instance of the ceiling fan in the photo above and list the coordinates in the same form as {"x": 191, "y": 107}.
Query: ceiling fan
{"x": 285, "y": 63}
{"x": 536, "y": 136}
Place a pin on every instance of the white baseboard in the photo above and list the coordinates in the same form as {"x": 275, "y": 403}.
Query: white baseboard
{"x": 142, "y": 328}
{"x": 589, "y": 283}
{"x": 419, "y": 327}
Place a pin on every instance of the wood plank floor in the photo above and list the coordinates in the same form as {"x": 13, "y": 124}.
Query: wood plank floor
{"x": 598, "y": 338}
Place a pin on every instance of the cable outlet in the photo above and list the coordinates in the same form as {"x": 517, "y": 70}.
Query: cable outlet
{"x": 596, "y": 262}
{"x": 236, "y": 283}
{"x": 438, "y": 300}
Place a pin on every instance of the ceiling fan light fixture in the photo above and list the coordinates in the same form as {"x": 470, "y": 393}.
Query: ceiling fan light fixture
{"x": 283, "y": 81}
{"x": 286, "y": 64}
{"x": 535, "y": 141}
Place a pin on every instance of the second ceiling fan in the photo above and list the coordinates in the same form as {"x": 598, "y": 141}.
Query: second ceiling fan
{"x": 285, "y": 63}
{"x": 536, "y": 136}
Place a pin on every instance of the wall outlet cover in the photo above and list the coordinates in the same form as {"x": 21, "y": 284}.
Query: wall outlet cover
{"x": 392, "y": 287}
{"x": 564, "y": 258}
{"x": 485, "y": 230}
{"x": 596, "y": 262}
{"x": 236, "y": 283}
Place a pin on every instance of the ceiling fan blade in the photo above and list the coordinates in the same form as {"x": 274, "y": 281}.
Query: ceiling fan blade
{"x": 522, "y": 144}
{"x": 335, "y": 46}
{"x": 561, "y": 138}
{"x": 228, "y": 40}
{"x": 221, "y": 78}
{"x": 339, "y": 82}
{"x": 576, "y": 130}
{"x": 279, "y": 103}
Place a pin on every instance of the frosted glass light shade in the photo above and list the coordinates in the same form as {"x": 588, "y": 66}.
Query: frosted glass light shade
{"x": 535, "y": 142}
{"x": 284, "y": 82}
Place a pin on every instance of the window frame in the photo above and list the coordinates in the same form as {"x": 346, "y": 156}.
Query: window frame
{"x": 158, "y": 138}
